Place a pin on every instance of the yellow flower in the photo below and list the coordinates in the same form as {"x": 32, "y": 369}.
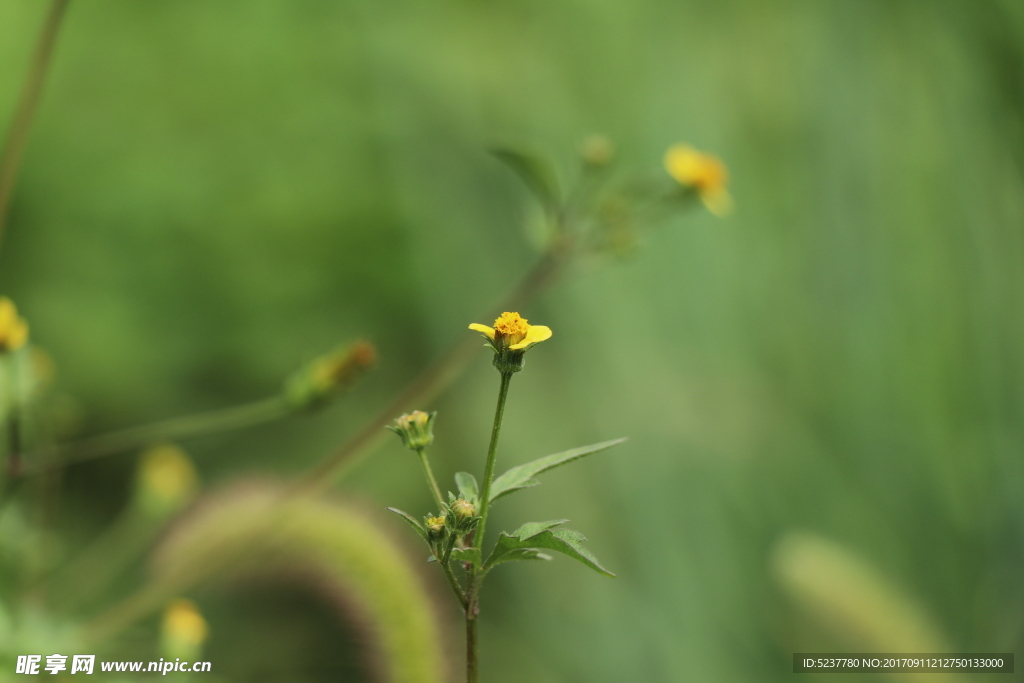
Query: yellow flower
{"x": 704, "y": 173}
{"x": 183, "y": 630}
{"x": 13, "y": 330}
{"x": 167, "y": 479}
{"x": 512, "y": 332}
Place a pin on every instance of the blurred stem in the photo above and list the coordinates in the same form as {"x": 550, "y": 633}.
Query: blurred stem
{"x": 431, "y": 481}
{"x": 173, "y": 429}
{"x": 17, "y": 136}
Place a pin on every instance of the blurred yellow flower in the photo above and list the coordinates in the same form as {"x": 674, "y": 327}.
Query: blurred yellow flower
{"x": 183, "y": 625}
{"x": 13, "y": 330}
{"x": 704, "y": 173}
{"x": 513, "y": 332}
{"x": 167, "y": 479}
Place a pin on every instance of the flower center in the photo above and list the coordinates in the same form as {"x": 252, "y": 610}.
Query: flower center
{"x": 511, "y": 328}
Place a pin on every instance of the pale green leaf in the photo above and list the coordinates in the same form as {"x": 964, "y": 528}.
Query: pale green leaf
{"x": 536, "y": 172}
{"x": 467, "y": 485}
{"x": 522, "y": 476}
{"x": 471, "y": 555}
{"x": 413, "y": 522}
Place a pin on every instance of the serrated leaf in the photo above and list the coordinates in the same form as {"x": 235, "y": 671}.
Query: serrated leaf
{"x": 413, "y": 522}
{"x": 520, "y": 554}
{"x": 565, "y": 541}
{"x": 536, "y": 172}
{"x": 467, "y": 485}
{"x": 531, "y": 529}
{"x": 522, "y": 476}
{"x": 471, "y": 555}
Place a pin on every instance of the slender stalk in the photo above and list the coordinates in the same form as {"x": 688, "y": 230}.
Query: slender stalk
{"x": 431, "y": 481}
{"x": 472, "y": 665}
{"x": 17, "y": 136}
{"x": 212, "y": 422}
{"x": 473, "y": 587}
{"x": 499, "y": 414}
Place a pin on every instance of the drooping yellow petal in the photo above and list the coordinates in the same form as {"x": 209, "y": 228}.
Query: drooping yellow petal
{"x": 718, "y": 203}
{"x": 489, "y": 331}
{"x": 534, "y": 335}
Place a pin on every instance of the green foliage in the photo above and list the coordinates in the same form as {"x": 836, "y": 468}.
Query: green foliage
{"x": 536, "y": 172}
{"x": 471, "y": 555}
{"x": 413, "y": 522}
{"x": 527, "y": 541}
{"x": 468, "y": 488}
{"x": 522, "y": 476}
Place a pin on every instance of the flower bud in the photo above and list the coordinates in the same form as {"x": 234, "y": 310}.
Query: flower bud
{"x": 597, "y": 151}
{"x": 416, "y": 429}
{"x": 318, "y": 382}
{"x": 463, "y": 509}
{"x": 435, "y": 526}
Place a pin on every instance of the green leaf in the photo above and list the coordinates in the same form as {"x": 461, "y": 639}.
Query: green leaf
{"x": 536, "y": 172}
{"x": 565, "y": 541}
{"x": 531, "y": 529}
{"x": 471, "y": 555}
{"x": 522, "y": 476}
{"x": 413, "y": 522}
{"x": 520, "y": 554}
{"x": 467, "y": 485}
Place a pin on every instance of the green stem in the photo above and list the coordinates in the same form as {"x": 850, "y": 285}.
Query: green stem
{"x": 431, "y": 481}
{"x": 485, "y": 503}
{"x": 212, "y": 422}
{"x": 473, "y": 584}
{"x": 472, "y": 667}
{"x": 17, "y": 136}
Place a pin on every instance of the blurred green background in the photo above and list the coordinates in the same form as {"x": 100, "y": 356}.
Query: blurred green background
{"x": 215, "y": 193}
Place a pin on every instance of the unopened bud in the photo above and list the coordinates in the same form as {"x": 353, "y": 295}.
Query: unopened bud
{"x": 597, "y": 150}
{"x": 435, "y": 525}
{"x": 318, "y": 382}
{"x": 416, "y": 429}
{"x": 463, "y": 509}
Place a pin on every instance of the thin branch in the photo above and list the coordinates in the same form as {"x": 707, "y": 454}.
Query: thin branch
{"x": 17, "y": 136}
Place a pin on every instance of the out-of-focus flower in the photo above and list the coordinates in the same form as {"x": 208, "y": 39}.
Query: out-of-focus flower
{"x": 702, "y": 172}
{"x": 13, "y": 329}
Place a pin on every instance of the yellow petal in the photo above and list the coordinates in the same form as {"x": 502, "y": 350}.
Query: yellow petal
{"x": 684, "y": 163}
{"x": 489, "y": 331}
{"x": 534, "y": 335}
{"x": 719, "y": 202}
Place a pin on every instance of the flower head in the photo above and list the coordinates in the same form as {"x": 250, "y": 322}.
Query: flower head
{"x": 702, "y": 172}
{"x": 13, "y": 330}
{"x": 510, "y": 337}
{"x": 183, "y": 630}
{"x": 416, "y": 429}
